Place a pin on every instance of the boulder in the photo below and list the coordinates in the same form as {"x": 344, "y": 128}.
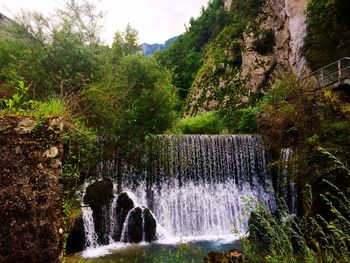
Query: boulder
{"x": 150, "y": 225}
{"x": 124, "y": 205}
{"x": 134, "y": 231}
{"x": 99, "y": 193}
{"x": 141, "y": 226}
{"x": 99, "y": 196}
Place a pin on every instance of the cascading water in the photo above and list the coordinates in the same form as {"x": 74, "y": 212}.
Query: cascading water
{"x": 124, "y": 236}
{"x": 286, "y": 186}
{"x": 112, "y": 222}
{"x": 195, "y": 185}
{"x": 89, "y": 226}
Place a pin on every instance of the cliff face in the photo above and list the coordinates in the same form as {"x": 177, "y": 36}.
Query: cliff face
{"x": 30, "y": 190}
{"x": 268, "y": 50}
{"x": 5, "y": 23}
{"x": 286, "y": 20}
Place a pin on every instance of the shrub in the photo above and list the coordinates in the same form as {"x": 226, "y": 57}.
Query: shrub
{"x": 312, "y": 238}
{"x": 247, "y": 121}
{"x": 206, "y": 123}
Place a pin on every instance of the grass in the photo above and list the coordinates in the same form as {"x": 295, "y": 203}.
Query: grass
{"x": 54, "y": 107}
{"x": 311, "y": 238}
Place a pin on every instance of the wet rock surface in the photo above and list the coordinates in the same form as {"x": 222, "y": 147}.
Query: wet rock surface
{"x": 98, "y": 196}
{"x": 141, "y": 226}
{"x": 99, "y": 193}
{"x": 134, "y": 226}
{"x": 150, "y": 225}
{"x": 124, "y": 205}
{"x": 30, "y": 192}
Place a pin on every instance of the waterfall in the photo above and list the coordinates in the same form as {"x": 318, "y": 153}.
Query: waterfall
{"x": 124, "y": 236}
{"x": 112, "y": 215}
{"x": 198, "y": 183}
{"x": 286, "y": 186}
{"x": 89, "y": 226}
{"x": 194, "y": 185}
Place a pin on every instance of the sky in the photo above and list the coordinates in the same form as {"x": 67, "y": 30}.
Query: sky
{"x": 155, "y": 20}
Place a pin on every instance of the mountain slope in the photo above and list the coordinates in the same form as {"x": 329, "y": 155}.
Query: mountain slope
{"x": 150, "y": 49}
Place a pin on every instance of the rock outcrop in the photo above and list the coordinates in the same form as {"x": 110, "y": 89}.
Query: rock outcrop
{"x": 237, "y": 70}
{"x": 286, "y": 20}
{"x": 99, "y": 196}
{"x": 31, "y": 228}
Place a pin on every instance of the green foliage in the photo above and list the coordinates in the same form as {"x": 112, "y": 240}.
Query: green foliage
{"x": 57, "y": 55}
{"x": 206, "y": 123}
{"x": 312, "y": 238}
{"x": 72, "y": 212}
{"x": 53, "y": 107}
{"x": 19, "y": 104}
{"x": 140, "y": 99}
{"x": 17, "y": 101}
{"x": 248, "y": 9}
{"x": 183, "y": 254}
{"x": 187, "y": 54}
{"x": 219, "y": 75}
{"x": 328, "y": 31}
{"x": 247, "y": 121}
{"x": 137, "y": 100}
{"x": 125, "y": 43}
{"x": 184, "y": 57}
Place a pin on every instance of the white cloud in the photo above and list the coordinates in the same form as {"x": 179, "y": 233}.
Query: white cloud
{"x": 156, "y": 20}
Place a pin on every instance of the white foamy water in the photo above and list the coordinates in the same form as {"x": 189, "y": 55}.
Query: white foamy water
{"x": 196, "y": 187}
{"x": 287, "y": 185}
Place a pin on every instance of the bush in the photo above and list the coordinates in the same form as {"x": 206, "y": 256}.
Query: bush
{"x": 247, "y": 121}
{"x": 206, "y": 123}
{"x": 312, "y": 238}
{"x": 328, "y": 35}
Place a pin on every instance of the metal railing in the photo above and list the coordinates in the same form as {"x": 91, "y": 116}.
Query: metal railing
{"x": 333, "y": 73}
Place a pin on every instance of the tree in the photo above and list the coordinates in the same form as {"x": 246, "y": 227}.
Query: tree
{"x": 58, "y": 56}
{"x": 139, "y": 100}
{"x": 185, "y": 56}
{"x": 125, "y": 43}
{"x": 328, "y": 31}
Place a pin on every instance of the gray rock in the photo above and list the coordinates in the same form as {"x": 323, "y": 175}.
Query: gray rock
{"x": 25, "y": 126}
{"x": 51, "y": 153}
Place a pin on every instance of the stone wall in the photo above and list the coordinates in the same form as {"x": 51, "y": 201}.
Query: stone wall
{"x": 31, "y": 227}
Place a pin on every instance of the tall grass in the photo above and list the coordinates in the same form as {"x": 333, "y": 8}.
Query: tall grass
{"x": 53, "y": 107}
{"x": 311, "y": 238}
